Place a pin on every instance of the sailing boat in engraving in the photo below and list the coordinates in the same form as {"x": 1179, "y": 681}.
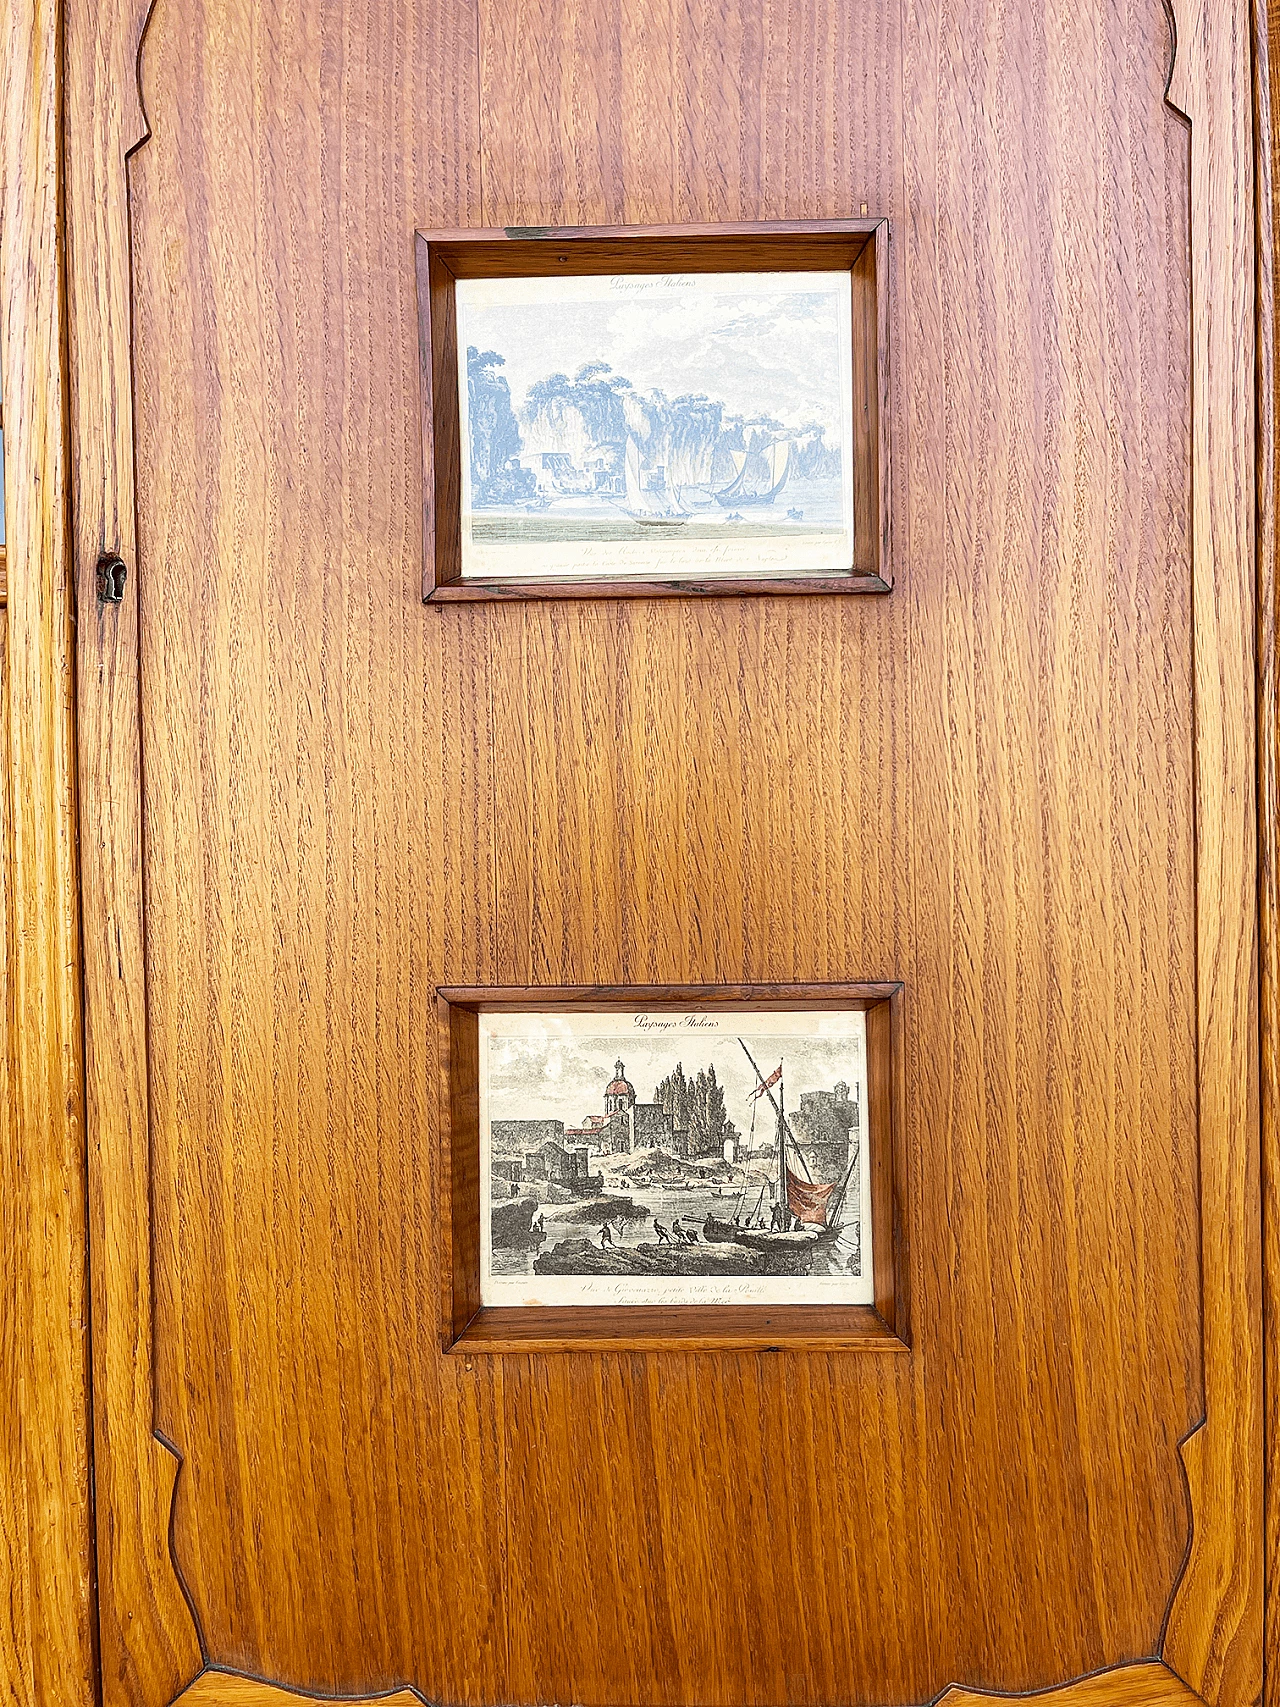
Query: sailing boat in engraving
{"x": 649, "y": 506}
{"x": 807, "y": 1214}
{"x": 760, "y": 478}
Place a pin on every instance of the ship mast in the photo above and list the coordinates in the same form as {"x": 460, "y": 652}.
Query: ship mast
{"x": 762, "y": 1086}
{"x": 835, "y": 1209}
{"x": 784, "y": 1197}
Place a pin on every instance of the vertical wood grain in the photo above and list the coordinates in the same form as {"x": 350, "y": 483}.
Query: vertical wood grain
{"x": 1214, "y": 1635}
{"x": 149, "y": 1643}
{"x": 740, "y": 792}
{"x": 983, "y": 786}
{"x": 1063, "y": 524}
{"x": 46, "y": 1632}
{"x": 15, "y": 1522}
{"x": 1267, "y": 95}
{"x": 308, "y": 734}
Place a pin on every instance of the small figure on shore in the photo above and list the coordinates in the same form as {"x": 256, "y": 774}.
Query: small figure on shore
{"x": 678, "y": 1230}
{"x": 779, "y": 1221}
{"x": 664, "y": 1238}
{"x": 605, "y": 1235}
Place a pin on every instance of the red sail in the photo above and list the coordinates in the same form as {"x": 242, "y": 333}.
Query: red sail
{"x": 807, "y": 1199}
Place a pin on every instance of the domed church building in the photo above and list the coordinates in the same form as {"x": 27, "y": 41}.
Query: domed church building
{"x": 627, "y": 1124}
{"x": 619, "y": 1096}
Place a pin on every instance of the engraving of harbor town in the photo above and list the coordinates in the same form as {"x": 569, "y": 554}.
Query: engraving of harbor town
{"x": 659, "y": 1158}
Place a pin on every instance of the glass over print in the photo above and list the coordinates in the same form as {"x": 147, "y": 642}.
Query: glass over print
{"x": 656, "y": 425}
{"x": 668, "y": 1158}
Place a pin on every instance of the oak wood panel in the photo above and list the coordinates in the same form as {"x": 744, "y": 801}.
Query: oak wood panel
{"x": 1146, "y": 1683}
{"x": 15, "y": 1522}
{"x": 47, "y": 1650}
{"x": 149, "y": 1642}
{"x": 1213, "y": 1638}
{"x": 608, "y": 793}
{"x": 1267, "y": 94}
{"x": 225, "y": 1689}
{"x": 306, "y": 733}
{"x": 1143, "y": 1684}
{"x": 762, "y": 794}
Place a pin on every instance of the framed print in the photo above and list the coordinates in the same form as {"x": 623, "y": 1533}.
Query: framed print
{"x": 683, "y": 1163}
{"x": 626, "y": 411}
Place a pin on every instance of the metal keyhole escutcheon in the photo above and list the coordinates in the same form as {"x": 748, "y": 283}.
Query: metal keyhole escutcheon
{"x": 111, "y": 578}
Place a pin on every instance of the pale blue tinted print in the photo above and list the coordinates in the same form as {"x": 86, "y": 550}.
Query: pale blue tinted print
{"x": 665, "y": 409}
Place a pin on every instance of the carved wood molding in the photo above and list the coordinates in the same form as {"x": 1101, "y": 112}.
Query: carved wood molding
{"x": 1148, "y": 1683}
{"x": 1214, "y": 1628}
{"x": 214, "y": 1688}
{"x": 149, "y": 1642}
{"x": 151, "y": 1649}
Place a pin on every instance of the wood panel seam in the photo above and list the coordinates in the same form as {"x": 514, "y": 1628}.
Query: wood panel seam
{"x": 1266, "y": 67}
{"x": 47, "y": 1643}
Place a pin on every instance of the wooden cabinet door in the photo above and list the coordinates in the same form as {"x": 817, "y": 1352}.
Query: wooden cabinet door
{"x": 1021, "y": 784}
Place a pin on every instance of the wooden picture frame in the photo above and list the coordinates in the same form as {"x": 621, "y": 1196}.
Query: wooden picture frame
{"x": 469, "y": 1326}
{"x": 444, "y": 257}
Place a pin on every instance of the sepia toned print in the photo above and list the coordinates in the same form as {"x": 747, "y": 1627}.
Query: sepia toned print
{"x": 662, "y": 1158}
{"x": 633, "y": 425}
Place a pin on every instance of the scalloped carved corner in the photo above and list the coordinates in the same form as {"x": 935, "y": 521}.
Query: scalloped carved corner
{"x": 136, "y": 128}
{"x": 1146, "y": 1683}
{"x": 1177, "y": 89}
{"x": 147, "y": 1633}
{"x": 149, "y": 1641}
{"x": 214, "y": 1688}
{"x": 1214, "y": 1626}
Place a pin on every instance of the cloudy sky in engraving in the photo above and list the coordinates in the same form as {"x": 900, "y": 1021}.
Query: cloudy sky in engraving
{"x": 564, "y": 1077}
{"x": 758, "y": 343}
